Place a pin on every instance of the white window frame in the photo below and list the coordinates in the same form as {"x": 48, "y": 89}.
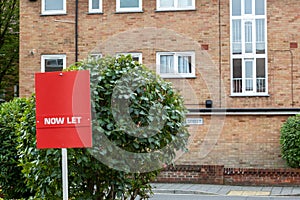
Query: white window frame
{"x": 91, "y": 10}
{"x": 133, "y": 55}
{"x": 53, "y": 56}
{"x": 133, "y": 9}
{"x": 54, "y": 12}
{"x": 159, "y": 8}
{"x": 249, "y": 56}
{"x": 176, "y": 74}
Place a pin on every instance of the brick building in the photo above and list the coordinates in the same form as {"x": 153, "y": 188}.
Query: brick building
{"x": 236, "y": 62}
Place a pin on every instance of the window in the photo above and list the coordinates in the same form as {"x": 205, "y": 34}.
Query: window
{"x": 175, "y": 64}
{"x": 53, "y": 7}
{"x": 248, "y": 48}
{"x": 95, "y": 6}
{"x": 51, "y": 63}
{"x": 129, "y": 6}
{"x": 175, "y": 4}
{"x": 135, "y": 56}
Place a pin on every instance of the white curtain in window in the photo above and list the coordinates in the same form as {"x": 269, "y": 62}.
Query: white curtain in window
{"x": 249, "y": 75}
{"x": 166, "y": 3}
{"x": 183, "y": 64}
{"x": 248, "y": 37}
{"x": 184, "y": 3}
{"x": 259, "y": 7}
{"x": 248, "y": 6}
{"x": 236, "y": 8}
{"x": 129, "y": 3}
{"x": 54, "y": 5}
{"x": 236, "y": 36}
{"x": 166, "y": 64}
{"x": 260, "y": 34}
{"x": 95, "y": 4}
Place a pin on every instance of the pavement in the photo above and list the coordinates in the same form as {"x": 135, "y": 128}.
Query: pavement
{"x": 228, "y": 190}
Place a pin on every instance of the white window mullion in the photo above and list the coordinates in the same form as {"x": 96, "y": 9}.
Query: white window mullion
{"x": 254, "y": 76}
{"x": 176, "y": 63}
{"x": 176, "y": 3}
{"x": 243, "y": 76}
{"x": 242, "y": 7}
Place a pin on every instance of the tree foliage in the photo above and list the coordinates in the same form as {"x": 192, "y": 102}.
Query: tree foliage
{"x": 290, "y": 141}
{"x": 9, "y": 47}
{"x": 12, "y": 180}
{"x": 90, "y": 177}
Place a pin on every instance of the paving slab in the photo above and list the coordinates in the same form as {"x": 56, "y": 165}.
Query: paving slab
{"x": 225, "y": 190}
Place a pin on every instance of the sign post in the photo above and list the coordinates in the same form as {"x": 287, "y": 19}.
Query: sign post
{"x": 63, "y": 113}
{"x": 64, "y": 162}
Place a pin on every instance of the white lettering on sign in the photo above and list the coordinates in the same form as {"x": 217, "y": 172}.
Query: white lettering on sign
{"x": 73, "y": 120}
{"x": 61, "y": 120}
{"x": 54, "y": 120}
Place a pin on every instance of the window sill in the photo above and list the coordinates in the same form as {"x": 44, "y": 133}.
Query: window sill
{"x": 52, "y": 14}
{"x": 95, "y": 13}
{"x": 129, "y": 11}
{"x": 250, "y": 95}
{"x": 175, "y": 10}
{"x": 178, "y": 77}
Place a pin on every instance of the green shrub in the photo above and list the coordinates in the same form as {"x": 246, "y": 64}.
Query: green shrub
{"x": 290, "y": 141}
{"x": 89, "y": 176}
{"x": 12, "y": 180}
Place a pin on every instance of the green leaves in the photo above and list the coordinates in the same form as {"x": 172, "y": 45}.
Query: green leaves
{"x": 12, "y": 180}
{"x": 290, "y": 141}
{"x": 9, "y": 46}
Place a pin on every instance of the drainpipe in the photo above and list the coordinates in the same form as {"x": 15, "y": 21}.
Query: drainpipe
{"x": 76, "y": 31}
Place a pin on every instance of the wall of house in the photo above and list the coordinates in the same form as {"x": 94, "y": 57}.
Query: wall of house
{"x": 242, "y": 140}
{"x": 151, "y": 31}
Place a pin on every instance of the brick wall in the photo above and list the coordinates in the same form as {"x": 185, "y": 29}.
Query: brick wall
{"x": 235, "y": 141}
{"x": 192, "y": 174}
{"x": 217, "y": 174}
{"x": 150, "y": 31}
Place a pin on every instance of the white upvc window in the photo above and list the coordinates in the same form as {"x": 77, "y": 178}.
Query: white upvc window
{"x": 175, "y": 64}
{"x": 95, "y": 6}
{"x": 175, "y": 4}
{"x": 54, "y": 7}
{"x": 249, "y": 74}
{"x": 129, "y": 6}
{"x": 135, "y": 56}
{"x": 51, "y": 63}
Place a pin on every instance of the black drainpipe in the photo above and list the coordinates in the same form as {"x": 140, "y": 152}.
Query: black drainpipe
{"x": 76, "y": 31}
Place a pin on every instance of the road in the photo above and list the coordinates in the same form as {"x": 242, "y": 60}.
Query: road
{"x": 213, "y": 197}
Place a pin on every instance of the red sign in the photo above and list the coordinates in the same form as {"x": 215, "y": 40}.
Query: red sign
{"x": 63, "y": 109}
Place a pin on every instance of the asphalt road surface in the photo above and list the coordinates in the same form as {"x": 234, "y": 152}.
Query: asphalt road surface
{"x": 213, "y": 197}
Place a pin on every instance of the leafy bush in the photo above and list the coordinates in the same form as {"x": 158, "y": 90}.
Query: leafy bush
{"x": 93, "y": 177}
{"x": 12, "y": 180}
{"x": 290, "y": 141}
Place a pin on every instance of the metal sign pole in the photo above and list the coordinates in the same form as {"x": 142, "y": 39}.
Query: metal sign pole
{"x": 64, "y": 154}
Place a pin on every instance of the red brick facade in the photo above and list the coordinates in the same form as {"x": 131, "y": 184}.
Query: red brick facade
{"x": 218, "y": 174}
{"x": 247, "y": 139}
